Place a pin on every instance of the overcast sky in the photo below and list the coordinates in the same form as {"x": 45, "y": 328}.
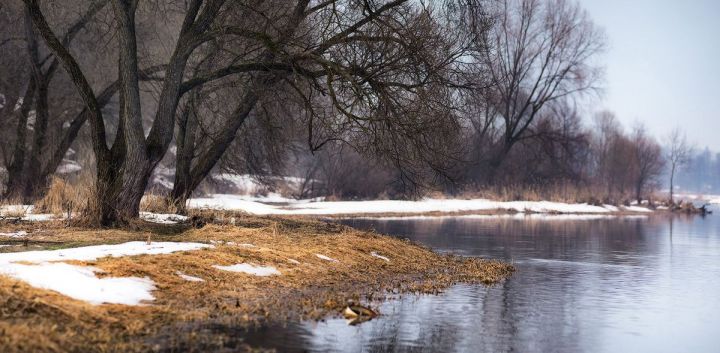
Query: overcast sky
{"x": 663, "y": 64}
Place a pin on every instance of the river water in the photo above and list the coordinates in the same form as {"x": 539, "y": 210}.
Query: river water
{"x": 583, "y": 284}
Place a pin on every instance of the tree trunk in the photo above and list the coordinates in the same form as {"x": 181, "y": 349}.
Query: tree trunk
{"x": 185, "y": 141}
{"x": 16, "y": 180}
{"x": 672, "y": 179}
{"x": 36, "y": 183}
{"x": 186, "y": 180}
{"x": 119, "y": 189}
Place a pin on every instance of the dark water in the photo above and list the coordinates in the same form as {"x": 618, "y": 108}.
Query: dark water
{"x": 601, "y": 285}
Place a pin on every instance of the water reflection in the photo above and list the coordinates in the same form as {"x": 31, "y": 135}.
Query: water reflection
{"x": 600, "y": 285}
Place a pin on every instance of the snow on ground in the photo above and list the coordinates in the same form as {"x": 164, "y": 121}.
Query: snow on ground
{"x": 24, "y": 212}
{"x": 250, "y": 269}
{"x": 293, "y": 207}
{"x": 704, "y": 198}
{"x": 18, "y": 234}
{"x": 91, "y": 253}
{"x": 80, "y": 282}
{"x": 374, "y": 254}
{"x": 636, "y": 209}
{"x": 326, "y": 258}
{"x": 68, "y": 167}
{"x": 189, "y": 278}
{"x": 163, "y": 218}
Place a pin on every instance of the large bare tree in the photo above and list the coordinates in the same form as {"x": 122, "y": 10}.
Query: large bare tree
{"x": 539, "y": 51}
{"x": 364, "y": 58}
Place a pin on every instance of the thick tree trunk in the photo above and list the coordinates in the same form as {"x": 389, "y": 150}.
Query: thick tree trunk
{"x": 119, "y": 190}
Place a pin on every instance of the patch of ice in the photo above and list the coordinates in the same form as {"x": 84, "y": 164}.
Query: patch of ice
{"x": 18, "y": 234}
{"x": 326, "y": 258}
{"x": 250, "y": 269}
{"x": 163, "y": 218}
{"x": 293, "y": 261}
{"x": 189, "y": 278}
{"x": 81, "y": 283}
{"x": 374, "y": 254}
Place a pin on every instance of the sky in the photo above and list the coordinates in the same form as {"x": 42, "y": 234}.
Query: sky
{"x": 662, "y": 65}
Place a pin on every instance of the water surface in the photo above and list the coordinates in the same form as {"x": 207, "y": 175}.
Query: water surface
{"x": 582, "y": 285}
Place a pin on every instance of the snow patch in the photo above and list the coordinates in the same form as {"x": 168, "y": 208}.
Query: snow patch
{"x": 250, "y": 269}
{"x": 262, "y": 206}
{"x": 163, "y": 218}
{"x": 374, "y": 254}
{"x": 636, "y": 209}
{"x": 91, "y": 253}
{"x": 18, "y": 234}
{"x": 293, "y": 261}
{"x": 189, "y": 278}
{"x": 326, "y": 258}
{"x": 68, "y": 167}
{"x": 81, "y": 283}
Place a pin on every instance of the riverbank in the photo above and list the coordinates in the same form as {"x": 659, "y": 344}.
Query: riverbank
{"x": 188, "y": 283}
{"x": 278, "y": 205}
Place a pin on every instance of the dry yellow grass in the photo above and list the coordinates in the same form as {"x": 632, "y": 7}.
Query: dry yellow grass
{"x": 63, "y": 197}
{"x": 311, "y": 289}
{"x": 157, "y": 204}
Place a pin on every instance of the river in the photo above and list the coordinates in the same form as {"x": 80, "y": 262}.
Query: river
{"x": 583, "y": 284}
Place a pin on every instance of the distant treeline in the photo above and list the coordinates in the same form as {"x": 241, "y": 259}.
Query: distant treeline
{"x": 702, "y": 174}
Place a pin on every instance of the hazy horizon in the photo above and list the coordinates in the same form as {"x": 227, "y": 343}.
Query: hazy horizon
{"x": 662, "y": 65}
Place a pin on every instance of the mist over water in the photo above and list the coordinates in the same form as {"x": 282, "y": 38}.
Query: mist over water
{"x": 598, "y": 285}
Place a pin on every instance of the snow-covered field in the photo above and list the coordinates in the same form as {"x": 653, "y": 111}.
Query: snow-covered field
{"x": 277, "y": 206}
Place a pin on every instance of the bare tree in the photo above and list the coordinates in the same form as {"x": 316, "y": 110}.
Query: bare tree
{"x": 647, "y": 161}
{"x": 539, "y": 51}
{"x": 678, "y": 155}
{"x": 35, "y": 157}
{"x": 367, "y": 60}
{"x": 374, "y": 76}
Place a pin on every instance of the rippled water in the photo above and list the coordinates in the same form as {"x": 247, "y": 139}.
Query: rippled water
{"x": 582, "y": 285}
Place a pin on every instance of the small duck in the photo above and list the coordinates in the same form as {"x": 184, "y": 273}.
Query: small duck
{"x": 356, "y": 313}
